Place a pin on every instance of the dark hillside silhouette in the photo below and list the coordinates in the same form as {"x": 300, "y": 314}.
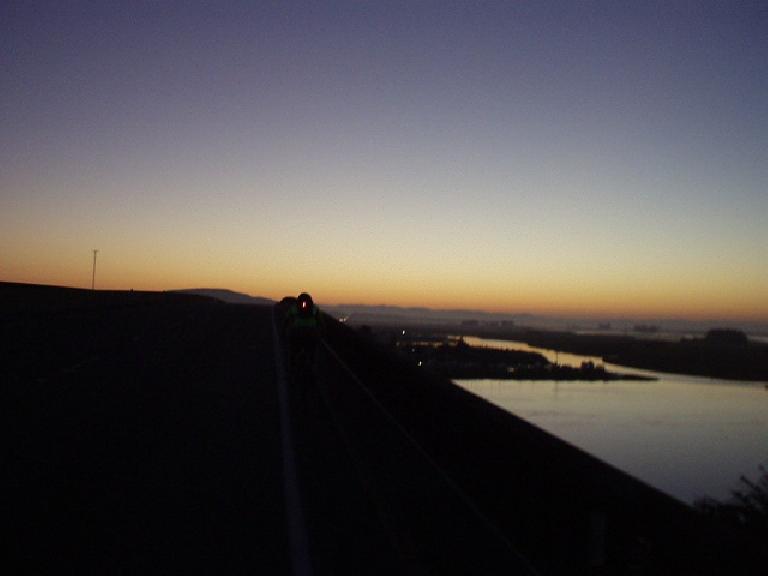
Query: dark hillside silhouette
{"x": 130, "y": 441}
{"x": 143, "y": 435}
{"x": 228, "y": 296}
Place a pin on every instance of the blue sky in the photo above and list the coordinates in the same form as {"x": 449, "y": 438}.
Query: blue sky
{"x": 585, "y": 157}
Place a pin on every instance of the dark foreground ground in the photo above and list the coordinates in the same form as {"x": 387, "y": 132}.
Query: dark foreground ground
{"x": 142, "y": 434}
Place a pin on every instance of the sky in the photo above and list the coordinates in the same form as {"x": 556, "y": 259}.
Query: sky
{"x": 561, "y": 157}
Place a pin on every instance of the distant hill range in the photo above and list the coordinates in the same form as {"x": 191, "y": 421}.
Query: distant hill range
{"x": 364, "y": 314}
{"x": 664, "y": 328}
{"x": 228, "y": 296}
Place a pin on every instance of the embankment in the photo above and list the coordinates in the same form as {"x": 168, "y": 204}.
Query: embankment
{"x": 567, "y": 511}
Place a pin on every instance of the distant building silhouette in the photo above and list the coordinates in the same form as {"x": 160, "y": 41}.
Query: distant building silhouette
{"x": 726, "y": 337}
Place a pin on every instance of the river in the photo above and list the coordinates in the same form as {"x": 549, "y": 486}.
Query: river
{"x": 688, "y": 436}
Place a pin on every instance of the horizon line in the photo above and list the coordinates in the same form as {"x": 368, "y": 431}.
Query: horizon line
{"x": 565, "y": 314}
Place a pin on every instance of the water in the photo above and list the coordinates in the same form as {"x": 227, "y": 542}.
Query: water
{"x": 687, "y": 436}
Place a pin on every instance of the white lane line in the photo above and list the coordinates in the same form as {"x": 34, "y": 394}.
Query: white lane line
{"x": 297, "y": 530}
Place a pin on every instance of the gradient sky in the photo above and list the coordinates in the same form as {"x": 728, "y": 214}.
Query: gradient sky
{"x": 565, "y": 156}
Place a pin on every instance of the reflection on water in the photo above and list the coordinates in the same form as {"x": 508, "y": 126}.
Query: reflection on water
{"x": 688, "y": 436}
{"x": 563, "y": 358}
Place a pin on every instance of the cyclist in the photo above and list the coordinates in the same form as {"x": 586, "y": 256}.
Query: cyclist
{"x": 303, "y": 325}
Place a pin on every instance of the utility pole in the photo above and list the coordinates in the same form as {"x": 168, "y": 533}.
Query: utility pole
{"x": 93, "y": 274}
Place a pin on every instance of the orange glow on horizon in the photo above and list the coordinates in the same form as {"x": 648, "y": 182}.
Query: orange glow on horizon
{"x": 623, "y": 291}
{"x": 549, "y": 302}
{"x": 487, "y": 172}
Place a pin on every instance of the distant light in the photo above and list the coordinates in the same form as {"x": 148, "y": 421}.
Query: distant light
{"x": 419, "y": 362}
{"x": 403, "y": 332}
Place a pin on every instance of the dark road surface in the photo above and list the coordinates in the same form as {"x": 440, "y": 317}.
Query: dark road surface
{"x": 145, "y": 437}
{"x": 151, "y": 445}
{"x": 156, "y": 433}
{"x": 373, "y": 501}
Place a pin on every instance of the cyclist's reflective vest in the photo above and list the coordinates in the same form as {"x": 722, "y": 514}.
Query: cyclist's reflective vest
{"x": 300, "y": 321}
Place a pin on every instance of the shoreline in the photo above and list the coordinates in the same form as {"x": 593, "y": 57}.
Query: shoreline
{"x": 713, "y": 358}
